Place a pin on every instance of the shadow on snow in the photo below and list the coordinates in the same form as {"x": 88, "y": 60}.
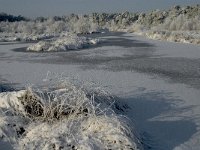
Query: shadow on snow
{"x": 160, "y": 133}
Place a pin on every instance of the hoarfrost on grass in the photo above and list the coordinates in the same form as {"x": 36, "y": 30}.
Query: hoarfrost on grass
{"x": 64, "y": 117}
{"x": 63, "y": 43}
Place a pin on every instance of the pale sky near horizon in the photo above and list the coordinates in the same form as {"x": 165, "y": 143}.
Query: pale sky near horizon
{"x": 34, "y": 8}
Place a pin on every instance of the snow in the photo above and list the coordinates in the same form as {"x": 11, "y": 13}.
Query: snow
{"x": 163, "y": 110}
{"x": 63, "y": 43}
{"x": 170, "y": 49}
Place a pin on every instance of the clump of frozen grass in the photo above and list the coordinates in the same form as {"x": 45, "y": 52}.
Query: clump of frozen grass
{"x": 54, "y": 105}
{"x": 63, "y": 43}
{"x": 63, "y": 116}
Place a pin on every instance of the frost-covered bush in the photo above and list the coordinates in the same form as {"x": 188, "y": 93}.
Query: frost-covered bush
{"x": 137, "y": 28}
{"x": 63, "y": 43}
{"x": 74, "y": 24}
{"x": 49, "y": 26}
{"x": 63, "y": 117}
{"x": 179, "y": 24}
{"x": 179, "y": 29}
{"x": 182, "y": 22}
{"x": 83, "y": 24}
{"x": 46, "y": 28}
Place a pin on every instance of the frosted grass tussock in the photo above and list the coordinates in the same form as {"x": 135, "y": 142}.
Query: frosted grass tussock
{"x": 63, "y": 43}
{"x": 63, "y": 117}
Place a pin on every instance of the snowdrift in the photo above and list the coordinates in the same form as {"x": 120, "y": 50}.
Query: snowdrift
{"x": 63, "y": 43}
{"x": 67, "y": 117}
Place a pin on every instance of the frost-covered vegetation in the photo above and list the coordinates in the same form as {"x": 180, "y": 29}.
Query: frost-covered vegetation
{"x": 10, "y": 37}
{"x": 63, "y": 116}
{"x": 52, "y": 25}
{"x": 43, "y": 28}
{"x": 181, "y": 24}
{"x": 63, "y": 43}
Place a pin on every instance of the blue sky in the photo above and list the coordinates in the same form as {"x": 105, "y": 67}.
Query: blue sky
{"x": 33, "y": 8}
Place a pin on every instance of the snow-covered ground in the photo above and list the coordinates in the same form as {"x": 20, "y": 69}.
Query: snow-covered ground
{"x": 158, "y": 81}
